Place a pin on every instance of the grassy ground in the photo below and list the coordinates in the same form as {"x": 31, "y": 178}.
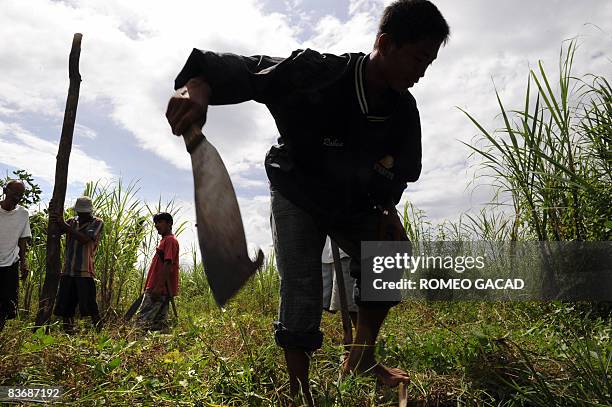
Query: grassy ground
{"x": 457, "y": 354}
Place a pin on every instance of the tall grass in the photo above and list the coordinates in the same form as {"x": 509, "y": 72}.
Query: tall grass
{"x": 553, "y": 156}
{"x": 128, "y": 239}
{"x": 125, "y": 227}
{"x": 124, "y": 252}
{"x": 36, "y": 259}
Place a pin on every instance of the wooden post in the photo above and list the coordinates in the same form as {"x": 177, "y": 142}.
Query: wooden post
{"x": 403, "y": 395}
{"x": 49, "y": 290}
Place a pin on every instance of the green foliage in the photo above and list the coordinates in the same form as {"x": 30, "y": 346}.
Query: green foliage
{"x": 38, "y": 342}
{"x": 554, "y": 157}
{"x": 125, "y": 227}
{"x": 36, "y": 260}
{"x": 124, "y": 252}
{"x": 457, "y": 353}
{"x": 32, "y": 190}
{"x": 128, "y": 239}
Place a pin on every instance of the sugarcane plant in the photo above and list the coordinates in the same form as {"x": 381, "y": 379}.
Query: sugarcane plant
{"x": 554, "y": 156}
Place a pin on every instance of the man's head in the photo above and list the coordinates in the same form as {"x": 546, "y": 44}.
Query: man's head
{"x": 84, "y": 207}
{"x": 163, "y": 223}
{"x": 409, "y": 36}
{"x": 13, "y": 193}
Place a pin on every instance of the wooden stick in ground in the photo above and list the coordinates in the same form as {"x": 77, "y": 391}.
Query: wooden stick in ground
{"x": 346, "y": 318}
{"x": 171, "y": 300}
{"x": 403, "y": 395}
{"x": 47, "y": 296}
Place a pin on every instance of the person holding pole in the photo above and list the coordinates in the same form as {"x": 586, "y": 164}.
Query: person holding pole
{"x": 77, "y": 285}
{"x": 14, "y": 235}
{"x": 350, "y": 140}
{"x": 162, "y": 281}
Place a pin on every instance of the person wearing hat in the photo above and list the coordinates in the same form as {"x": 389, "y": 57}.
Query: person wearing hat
{"x": 77, "y": 285}
{"x": 14, "y": 235}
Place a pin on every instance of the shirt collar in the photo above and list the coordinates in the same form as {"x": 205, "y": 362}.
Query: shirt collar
{"x": 360, "y": 86}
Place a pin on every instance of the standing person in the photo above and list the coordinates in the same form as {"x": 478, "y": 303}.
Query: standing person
{"x": 331, "y": 293}
{"x": 77, "y": 285}
{"x": 14, "y": 236}
{"x": 163, "y": 276}
{"x": 349, "y": 129}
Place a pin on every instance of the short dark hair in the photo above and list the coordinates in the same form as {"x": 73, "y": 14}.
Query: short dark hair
{"x": 163, "y": 216}
{"x": 11, "y": 182}
{"x": 412, "y": 21}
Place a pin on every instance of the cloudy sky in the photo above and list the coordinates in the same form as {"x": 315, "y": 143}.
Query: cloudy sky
{"x": 132, "y": 51}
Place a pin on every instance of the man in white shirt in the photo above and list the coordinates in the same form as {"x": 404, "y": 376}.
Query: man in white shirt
{"x": 14, "y": 236}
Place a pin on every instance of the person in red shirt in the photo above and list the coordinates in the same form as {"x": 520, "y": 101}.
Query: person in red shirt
{"x": 163, "y": 278}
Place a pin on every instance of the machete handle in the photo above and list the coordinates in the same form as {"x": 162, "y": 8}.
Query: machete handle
{"x": 193, "y": 137}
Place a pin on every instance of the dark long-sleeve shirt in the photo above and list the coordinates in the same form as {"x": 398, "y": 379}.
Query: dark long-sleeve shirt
{"x": 335, "y": 157}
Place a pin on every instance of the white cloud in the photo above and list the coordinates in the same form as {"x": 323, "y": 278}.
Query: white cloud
{"x": 21, "y": 149}
{"x": 256, "y": 217}
{"x": 335, "y": 36}
{"x": 81, "y": 131}
{"x": 130, "y": 55}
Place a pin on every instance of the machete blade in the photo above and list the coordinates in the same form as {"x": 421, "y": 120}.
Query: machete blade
{"x": 220, "y": 231}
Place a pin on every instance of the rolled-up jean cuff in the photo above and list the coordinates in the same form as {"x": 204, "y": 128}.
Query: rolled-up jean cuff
{"x": 306, "y": 341}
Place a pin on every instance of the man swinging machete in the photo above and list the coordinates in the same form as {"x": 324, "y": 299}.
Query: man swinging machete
{"x": 350, "y": 140}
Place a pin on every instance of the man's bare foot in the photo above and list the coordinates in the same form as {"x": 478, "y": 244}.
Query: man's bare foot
{"x": 388, "y": 376}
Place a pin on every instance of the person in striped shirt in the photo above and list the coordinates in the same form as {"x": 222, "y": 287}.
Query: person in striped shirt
{"x": 77, "y": 285}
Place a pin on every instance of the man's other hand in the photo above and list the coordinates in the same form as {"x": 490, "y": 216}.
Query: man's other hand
{"x": 56, "y": 216}
{"x": 188, "y": 106}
